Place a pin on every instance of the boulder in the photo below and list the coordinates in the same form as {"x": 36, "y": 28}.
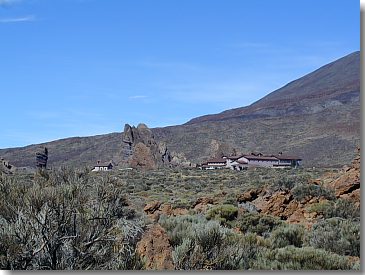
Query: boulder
{"x": 155, "y": 249}
{"x": 202, "y": 204}
{"x": 347, "y": 182}
{"x": 151, "y": 207}
{"x": 203, "y": 200}
{"x": 249, "y": 195}
{"x": 180, "y": 211}
{"x": 282, "y": 204}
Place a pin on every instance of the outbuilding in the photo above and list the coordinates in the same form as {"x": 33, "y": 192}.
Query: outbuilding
{"x": 106, "y": 166}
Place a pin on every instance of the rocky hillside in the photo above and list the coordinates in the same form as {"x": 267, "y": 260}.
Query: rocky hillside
{"x": 316, "y": 117}
{"x": 135, "y": 147}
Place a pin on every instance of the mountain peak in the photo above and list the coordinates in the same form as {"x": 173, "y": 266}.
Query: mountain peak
{"x": 332, "y": 84}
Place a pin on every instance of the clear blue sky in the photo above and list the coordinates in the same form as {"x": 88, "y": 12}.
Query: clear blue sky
{"x": 86, "y": 67}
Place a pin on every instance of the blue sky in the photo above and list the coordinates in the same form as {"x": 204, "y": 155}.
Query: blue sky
{"x": 86, "y": 67}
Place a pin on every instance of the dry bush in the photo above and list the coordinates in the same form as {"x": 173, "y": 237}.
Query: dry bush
{"x": 66, "y": 220}
{"x": 306, "y": 258}
{"x": 336, "y": 235}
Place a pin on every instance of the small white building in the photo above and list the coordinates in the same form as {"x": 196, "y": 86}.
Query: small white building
{"x": 103, "y": 166}
{"x": 217, "y": 163}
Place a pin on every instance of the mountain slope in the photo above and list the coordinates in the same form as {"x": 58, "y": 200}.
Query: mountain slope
{"x": 76, "y": 151}
{"x": 316, "y": 117}
{"x": 336, "y": 83}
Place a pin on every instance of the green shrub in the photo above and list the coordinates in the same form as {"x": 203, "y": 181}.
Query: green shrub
{"x": 180, "y": 227}
{"x": 258, "y": 223}
{"x": 285, "y": 235}
{"x": 305, "y": 258}
{"x": 311, "y": 190}
{"x": 321, "y": 208}
{"x": 223, "y": 213}
{"x": 205, "y": 245}
{"x": 337, "y": 235}
{"x": 341, "y": 208}
{"x": 181, "y": 203}
{"x": 200, "y": 246}
{"x": 284, "y": 183}
{"x": 230, "y": 200}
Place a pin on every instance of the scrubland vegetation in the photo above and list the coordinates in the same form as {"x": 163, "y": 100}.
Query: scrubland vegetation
{"x": 67, "y": 219}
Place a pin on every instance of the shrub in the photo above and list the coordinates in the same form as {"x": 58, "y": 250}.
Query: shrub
{"x": 342, "y": 208}
{"x": 201, "y": 246}
{"x": 230, "y": 200}
{"x": 223, "y": 213}
{"x": 67, "y": 220}
{"x": 305, "y": 258}
{"x": 181, "y": 203}
{"x": 206, "y": 245}
{"x": 180, "y": 227}
{"x": 258, "y": 223}
{"x": 337, "y": 235}
{"x": 284, "y": 183}
{"x": 311, "y": 190}
{"x": 321, "y": 208}
{"x": 286, "y": 235}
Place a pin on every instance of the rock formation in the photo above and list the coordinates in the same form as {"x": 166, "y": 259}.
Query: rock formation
{"x": 165, "y": 153}
{"x": 282, "y": 204}
{"x": 347, "y": 183}
{"x": 42, "y": 158}
{"x": 179, "y": 159}
{"x": 219, "y": 149}
{"x": 202, "y": 204}
{"x": 155, "y": 208}
{"x": 5, "y": 167}
{"x": 141, "y": 150}
{"x": 142, "y": 157}
{"x": 152, "y": 207}
{"x": 155, "y": 249}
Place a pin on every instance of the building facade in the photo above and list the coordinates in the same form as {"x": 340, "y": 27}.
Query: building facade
{"x": 244, "y": 161}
